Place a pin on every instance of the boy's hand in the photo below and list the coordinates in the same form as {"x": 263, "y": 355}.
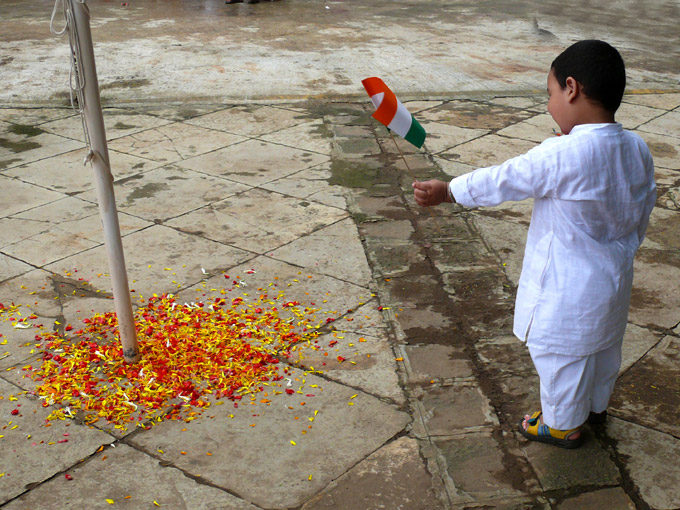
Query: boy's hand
{"x": 429, "y": 193}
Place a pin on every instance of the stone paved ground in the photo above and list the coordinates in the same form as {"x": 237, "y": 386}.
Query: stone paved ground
{"x": 298, "y": 190}
{"x": 314, "y": 197}
{"x": 450, "y": 289}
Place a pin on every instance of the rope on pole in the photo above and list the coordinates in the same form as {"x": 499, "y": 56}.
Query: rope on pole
{"x": 76, "y": 58}
{"x": 84, "y": 86}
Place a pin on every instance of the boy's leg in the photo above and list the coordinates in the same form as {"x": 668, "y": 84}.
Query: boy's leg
{"x": 566, "y": 387}
{"x": 607, "y": 365}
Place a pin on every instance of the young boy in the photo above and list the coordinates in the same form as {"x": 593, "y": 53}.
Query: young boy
{"x": 593, "y": 191}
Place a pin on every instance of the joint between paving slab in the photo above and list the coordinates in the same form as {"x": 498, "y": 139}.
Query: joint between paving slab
{"x": 33, "y": 485}
{"x": 406, "y": 372}
{"x": 627, "y": 483}
{"x": 358, "y": 97}
{"x": 164, "y": 463}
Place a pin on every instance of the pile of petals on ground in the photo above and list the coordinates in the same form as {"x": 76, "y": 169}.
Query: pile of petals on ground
{"x": 191, "y": 354}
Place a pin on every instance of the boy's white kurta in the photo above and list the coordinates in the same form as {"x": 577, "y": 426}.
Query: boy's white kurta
{"x": 593, "y": 192}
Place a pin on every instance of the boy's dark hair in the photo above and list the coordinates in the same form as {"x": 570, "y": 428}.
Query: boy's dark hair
{"x": 598, "y": 67}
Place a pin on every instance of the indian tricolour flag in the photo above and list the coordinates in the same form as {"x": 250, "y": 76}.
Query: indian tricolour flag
{"x": 390, "y": 112}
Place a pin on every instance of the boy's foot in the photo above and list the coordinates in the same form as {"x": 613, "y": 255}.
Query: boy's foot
{"x": 233, "y": 1}
{"x": 533, "y": 428}
{"x": 597, "y": 418}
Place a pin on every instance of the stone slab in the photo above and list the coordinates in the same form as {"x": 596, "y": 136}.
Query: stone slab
{"x": 393, "y": 257}
{"x": 442, "y": 137}
{"x": 158, "y": 259}
{"x": 250, "y": 120}
{"x": 26, "y": 438}
{"x": 656, "y": 293}
{"x": 20, "y": 196}
{"x": 311, "y": 184}
{"x": 335, "y": 250}
{"x": 651, "y": 460}
{"x": 176, "y": 111}
{"x": 428, "y": 363}
{"x": 48, "y": 247}
{"x": 476, "y": 467}
{"x": 365, "y": 319}
{"x": 633, "y": 116}
{"x": 559, "y": 468}
{"x": 615, "y": 497}
{"x": 505, "y": 230}
{"x": 648, "y": 392}
{"x": 450, "y": 410}
{"x": 19, "y": 149}
{"x": 393, "y": 477}
{"x": 254, "y": 162}
{"x": 311, "y": 136}
{"x": 332, "y": 298}
{"x": 180, "y": 51}
{"x": 519, "y": 395}
{"x": 662, "y": 231}
{"x": 130, "y": 479}
{"x": 90, "y": 227}
{"x": 637, "y": 342}
{"x": 258, "y": 220}
{"x": 488, "y": 150}
{"x": 453, "y": 168}
{"x": 505, "y": 355}
{"x": 173, "y": 142}
{"x": 11, "y": 267}
{"x": 392, "y": 229}
{"x": 516, "y": 503}
{"x": 34, "y": 117}
{"x": 255, "y": 445}
{"x": 168, "y": 192}
{"x": 17, "y": 339}
{"x": 68, "y": 217}
{"x": 359, "y": 360}
{"x": 666, "y": 101}
{"x": 664, "y": 149}
{"x": 67, "y": 173}
{"x": 670, "y": 199}
{"x": 475, "y": 114}
{"x": 664, "y": 123}
{"x": 535, "y": 129}
{"x": 117, "y": 124}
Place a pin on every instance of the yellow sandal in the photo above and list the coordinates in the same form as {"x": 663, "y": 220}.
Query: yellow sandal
{"x": 537, "y": 431}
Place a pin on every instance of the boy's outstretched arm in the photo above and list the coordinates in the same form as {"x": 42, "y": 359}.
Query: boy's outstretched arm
{"x": 429, "y": 193}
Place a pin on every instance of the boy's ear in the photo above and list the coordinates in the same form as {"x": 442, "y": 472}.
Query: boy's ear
{"x": 573, "y": 88}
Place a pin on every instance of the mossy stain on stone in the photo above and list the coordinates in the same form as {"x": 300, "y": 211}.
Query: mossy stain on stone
{"x": 25, "y": 130}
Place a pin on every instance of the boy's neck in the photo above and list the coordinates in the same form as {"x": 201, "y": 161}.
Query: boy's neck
{"x": 590, "y": 113}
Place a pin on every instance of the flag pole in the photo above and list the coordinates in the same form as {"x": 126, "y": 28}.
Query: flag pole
{"x": 98, "y": 156}
{"x": 415, "y": 179}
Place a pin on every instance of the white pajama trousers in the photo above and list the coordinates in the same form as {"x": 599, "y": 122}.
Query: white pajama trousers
{"x": 573, "y": 386}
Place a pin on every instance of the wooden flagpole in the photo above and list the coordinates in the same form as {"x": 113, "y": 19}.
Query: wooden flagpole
{"x": 413, "y": 175}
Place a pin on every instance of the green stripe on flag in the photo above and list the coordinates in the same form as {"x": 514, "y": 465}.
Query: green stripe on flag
{"x": 416, "y": 134}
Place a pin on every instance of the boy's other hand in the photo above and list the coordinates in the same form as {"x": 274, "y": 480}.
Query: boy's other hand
{"x": 429, "y": 193}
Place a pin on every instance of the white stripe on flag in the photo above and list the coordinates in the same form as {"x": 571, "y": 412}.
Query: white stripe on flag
{"x": 401, "y": 122}
{"x": 377, "y": 99}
